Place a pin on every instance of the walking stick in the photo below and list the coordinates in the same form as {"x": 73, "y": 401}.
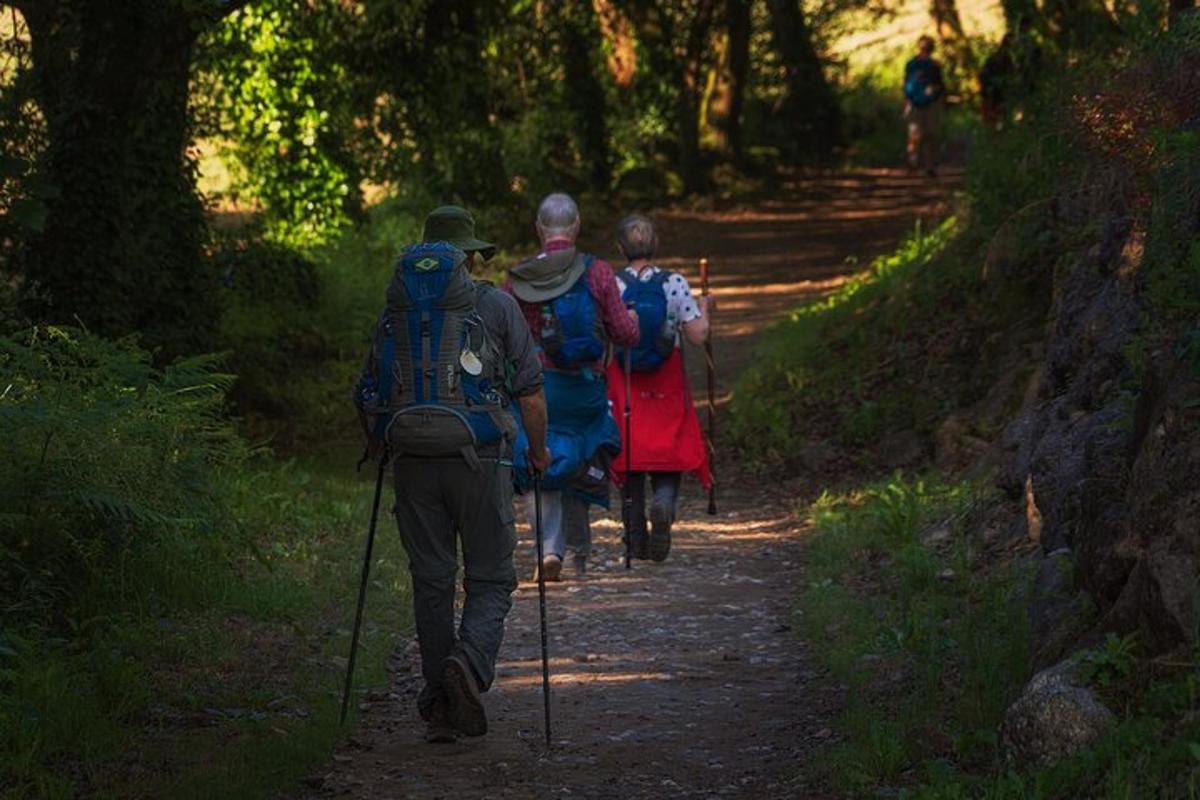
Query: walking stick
{"x": 541, "y": 576}
{"x": 711, "y": 367}
{"x": 627, "y": 500}
{"x": 362, "y": 587}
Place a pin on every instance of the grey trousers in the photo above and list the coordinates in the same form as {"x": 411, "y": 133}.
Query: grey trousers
{"x": 566, "y": 522}
{"x": 438, "y": 502}
{"x": 665, "y": 486}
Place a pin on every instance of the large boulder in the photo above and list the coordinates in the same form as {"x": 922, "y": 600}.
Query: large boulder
{"x": 1053, "y": 718}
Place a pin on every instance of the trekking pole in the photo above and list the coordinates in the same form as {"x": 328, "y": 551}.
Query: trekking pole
{"x": 627, "y": 499}
{"x": 711, "y": 367}
{"x": 541, "y": 576}
{"x": 362, "y": 587}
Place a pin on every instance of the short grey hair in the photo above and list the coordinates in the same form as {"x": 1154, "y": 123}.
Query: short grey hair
{"x": 557, "y": 214}
{"x": 637, "y": 237}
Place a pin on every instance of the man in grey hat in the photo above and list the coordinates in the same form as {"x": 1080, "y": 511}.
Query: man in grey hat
{"x": 573, "y": 306}
{"x": 440, "y": 500}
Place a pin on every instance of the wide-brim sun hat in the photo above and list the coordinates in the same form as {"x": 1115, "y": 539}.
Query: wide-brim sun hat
{"x": 455, "y": 225}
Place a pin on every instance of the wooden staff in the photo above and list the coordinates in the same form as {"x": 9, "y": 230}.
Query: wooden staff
{"x": 711, "y": 367}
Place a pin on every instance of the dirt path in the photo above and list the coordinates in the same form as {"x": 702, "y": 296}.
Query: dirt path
{"x": 681, "y": 679}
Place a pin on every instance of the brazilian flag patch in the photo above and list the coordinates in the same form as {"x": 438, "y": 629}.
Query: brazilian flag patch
{"x": 426, "y": 265}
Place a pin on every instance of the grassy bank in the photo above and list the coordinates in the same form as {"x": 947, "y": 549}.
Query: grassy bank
{"x": 928, "y": 635}
{"x": 930, "y": 648}
{"x": 918, "y": 335}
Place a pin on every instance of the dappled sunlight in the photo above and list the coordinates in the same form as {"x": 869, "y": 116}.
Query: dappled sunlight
{"x": 558, "y": 678}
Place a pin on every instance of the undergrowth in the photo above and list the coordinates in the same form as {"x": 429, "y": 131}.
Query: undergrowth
{"x": 175, "y": 608}
{"x": 930, "y": 648}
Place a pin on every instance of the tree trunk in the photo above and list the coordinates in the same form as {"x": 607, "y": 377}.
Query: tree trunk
{"x": 584, "y": 92}
{"x": 810, "y": 105}
{"x": 726, "y": 89}
{"x": 687, "y": 108}
{"x": 953, "y": 38}
{"x": 121, "y": 249}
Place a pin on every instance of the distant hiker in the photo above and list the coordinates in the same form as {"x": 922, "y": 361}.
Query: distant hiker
{"x": 924, "y": 93}
{"x": 666, "y": 437}
{"x": 449, "y": 357}
{"x": 573, "y": 306}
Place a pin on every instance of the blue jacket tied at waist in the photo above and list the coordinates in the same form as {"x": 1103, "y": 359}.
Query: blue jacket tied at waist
{"x": 582, "y": 436}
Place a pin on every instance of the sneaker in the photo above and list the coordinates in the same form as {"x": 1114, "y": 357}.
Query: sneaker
{"x": 466, "y": 704}
{"x": 553, "y": 568}
{"x": 660, "y": 534}
{"x": 438, "y": 729}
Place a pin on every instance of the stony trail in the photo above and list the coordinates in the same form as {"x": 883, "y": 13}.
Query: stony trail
{"x": 686, "y": 679}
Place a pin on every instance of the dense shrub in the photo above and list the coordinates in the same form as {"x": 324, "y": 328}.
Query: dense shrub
{"x": 110, "y": 475}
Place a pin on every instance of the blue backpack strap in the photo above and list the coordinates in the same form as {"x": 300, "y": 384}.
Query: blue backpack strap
{"x": 387, "y": 358}
{"x": 660, "y": 280}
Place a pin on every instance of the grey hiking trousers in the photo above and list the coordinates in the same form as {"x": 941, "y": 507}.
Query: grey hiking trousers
{"x": 439, "y": 501}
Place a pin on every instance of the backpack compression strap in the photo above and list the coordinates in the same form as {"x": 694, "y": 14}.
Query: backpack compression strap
{"x": 386, "y": 359}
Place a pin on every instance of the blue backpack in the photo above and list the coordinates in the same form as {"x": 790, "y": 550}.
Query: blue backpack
{"x": 657, "y": 339}
{"x": 434, "y": 384}
{"x": 572, "y": 333}
{"x": 922, "y": 82}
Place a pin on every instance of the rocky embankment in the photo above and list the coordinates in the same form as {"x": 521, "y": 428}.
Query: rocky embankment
{"x": 1101, "y": 468}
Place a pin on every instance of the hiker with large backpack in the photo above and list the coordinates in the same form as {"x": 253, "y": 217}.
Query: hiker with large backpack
{"x": 924, "y": 100}
{"x": 664, "y": 440}
{"x": 450, "y": 363}
{"x": 573, "y": 306}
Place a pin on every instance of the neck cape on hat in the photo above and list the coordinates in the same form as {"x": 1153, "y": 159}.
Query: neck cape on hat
{"x": 547, "y": 275}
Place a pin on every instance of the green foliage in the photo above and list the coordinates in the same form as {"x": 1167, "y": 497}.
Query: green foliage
{"x": 931, "y": 647}
{"x": 278, "y": 93}
{"x": 154, "y": 575}
{"x": 1110, "y": 663}
{"x": 296, "y": 329}
{"x": 1173, "y": 239}
{"x": 110, "y": 469}
{"x": 872, "y": 113}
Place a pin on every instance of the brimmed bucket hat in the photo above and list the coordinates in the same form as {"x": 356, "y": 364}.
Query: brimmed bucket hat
{"x": 455, "y": 225}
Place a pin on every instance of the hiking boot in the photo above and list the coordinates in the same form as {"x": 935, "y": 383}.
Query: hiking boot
{"x": 466, "y": 704}
{"x": 438, "y": 729}
{"x": 580, "y": 564}
{"x": 660, "y": 533}
{"x": 553, "y": 568}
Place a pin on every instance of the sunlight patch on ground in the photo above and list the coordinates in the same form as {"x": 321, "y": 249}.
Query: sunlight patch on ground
{"x": 560, "y": 678}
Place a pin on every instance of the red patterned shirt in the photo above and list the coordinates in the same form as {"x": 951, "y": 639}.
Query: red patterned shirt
{"x": 619, "y": 327}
